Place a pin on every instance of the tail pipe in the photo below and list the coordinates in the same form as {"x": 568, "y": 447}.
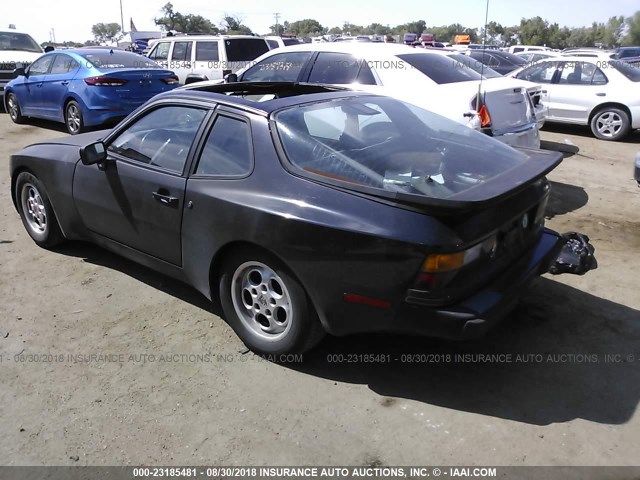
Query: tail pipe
{"x": 576, "y": 256}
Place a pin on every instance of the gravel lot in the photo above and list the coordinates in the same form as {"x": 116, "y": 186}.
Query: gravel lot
{"x": 217, "y": 404}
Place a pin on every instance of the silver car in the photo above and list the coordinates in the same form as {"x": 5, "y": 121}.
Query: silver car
{"x": 600, "y": 92}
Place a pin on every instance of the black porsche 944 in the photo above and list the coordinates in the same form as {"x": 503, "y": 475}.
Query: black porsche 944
{"x": 306, "y": 209}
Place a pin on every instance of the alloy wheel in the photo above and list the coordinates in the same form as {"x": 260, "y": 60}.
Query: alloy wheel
{"x": 33, "y": 209}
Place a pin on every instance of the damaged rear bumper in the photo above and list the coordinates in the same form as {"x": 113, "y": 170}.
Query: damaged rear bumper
{"x": 474, "y": 316}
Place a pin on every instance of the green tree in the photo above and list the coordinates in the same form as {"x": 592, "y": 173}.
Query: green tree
{"x": 306, "y": 28}
{"x": 534, "y": 31}
{"x": 190, "y": 23}
{"x": 232, "y": 25}
{"x": 632, "y": 25}
{"x": 105, "y": 31}
{"x": 614, "y": 31}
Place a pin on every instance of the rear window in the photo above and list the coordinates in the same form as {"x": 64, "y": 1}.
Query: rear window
{"x": 389, "y": 145}
{"x": 245, "y": 49}
{"x": 631, "y": 71}
{"x": 440, "y": 68}
{"x": 111, "y": 59}
{"x": 475, "y": 65}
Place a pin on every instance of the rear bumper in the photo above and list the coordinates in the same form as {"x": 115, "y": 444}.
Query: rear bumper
{"x": 527, "y": 137}
{"x": 470, "y": 317}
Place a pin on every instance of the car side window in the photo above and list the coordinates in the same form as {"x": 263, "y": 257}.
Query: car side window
{"x": 283, "y": 67}
{"x": 41, "y": 65}
{"x": 162, "y": 138}
{"x": 181, "y": 52}
{"x": 272, "y": 44}
{"x": 60, "y": 65}
{"x": 340, "y": 68}
{"x": 540, "y": 73}
{"x": 207, "y": 52}
{"x": 227, "y": 151}
{"x": 161, "y": 52}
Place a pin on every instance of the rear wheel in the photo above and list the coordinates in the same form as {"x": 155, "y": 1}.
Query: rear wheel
{"x": 73, "y": 118}
{"x": 13, "y": 109}
{"x": 36, "y": 211}
{"x": 610, "y": 124}
{"x": 266, "y": 306}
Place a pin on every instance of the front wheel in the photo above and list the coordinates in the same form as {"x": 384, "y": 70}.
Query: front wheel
{"x": 73, "y": 118}
{"x": 266, "y": 306}
{"x": 36, "y": 211}
{"x": 13, "y": 109}
{"x": 610, "y": 124}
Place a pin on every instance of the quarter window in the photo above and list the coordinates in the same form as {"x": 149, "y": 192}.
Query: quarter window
{"x": 228, "y": 149}
{"x": 162, "y": 138}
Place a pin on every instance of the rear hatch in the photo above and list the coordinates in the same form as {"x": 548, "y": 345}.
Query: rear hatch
{"x": 242, "y": 51}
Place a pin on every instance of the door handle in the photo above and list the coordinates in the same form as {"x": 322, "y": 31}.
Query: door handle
{"x": 165, "y": 198}
{"x": 601, "y": 94}
{"x": 38, "y": 85}
{"x": 65, "y": 83}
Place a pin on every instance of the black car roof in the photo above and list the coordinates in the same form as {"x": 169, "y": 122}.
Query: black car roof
{"x": 287, "y": 94}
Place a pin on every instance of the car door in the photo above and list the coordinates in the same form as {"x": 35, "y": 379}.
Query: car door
{"x": 136, "y": 197}
{"x": 579, "y": 87}
{"x": 207, "y": 60}
{"x": 543, "y": 73}
{"x": 56, "y": 85}
{"x": 160, "y": 54}
{"x": 30, "y": 96}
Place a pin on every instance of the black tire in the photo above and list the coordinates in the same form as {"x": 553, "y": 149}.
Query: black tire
{"x": 611, "y": 124}
{"x": 36, "y": 211}
{"x": 290, "y": 311}
{"x": 13, "y": 109}
{"x": 73, "y": 118}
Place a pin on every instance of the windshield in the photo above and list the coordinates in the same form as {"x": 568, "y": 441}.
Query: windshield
{"x": 440, "y": 68}
{"x": 386, "y": 144}
{"x": 110, "y": 59}
{"x": 475, "y": 65}
{"x": 18, "y": 41}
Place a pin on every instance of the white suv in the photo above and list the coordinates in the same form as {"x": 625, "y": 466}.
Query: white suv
{"x": 206, "y": 57}
{"x": 16, "y": 49}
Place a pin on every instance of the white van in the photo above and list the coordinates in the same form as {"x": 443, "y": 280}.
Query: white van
{"x": 527, "y": 48}
{"x": 206, "y": 57}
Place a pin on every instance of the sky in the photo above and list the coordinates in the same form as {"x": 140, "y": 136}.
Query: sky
{"x": 72, "y": 19}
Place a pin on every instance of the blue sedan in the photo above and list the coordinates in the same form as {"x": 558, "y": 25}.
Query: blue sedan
{"x": 85, "y": 87}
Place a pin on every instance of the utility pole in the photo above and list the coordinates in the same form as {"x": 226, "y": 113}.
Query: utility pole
{"x": 277, "y": 17}
{"x": 121, "y": 18}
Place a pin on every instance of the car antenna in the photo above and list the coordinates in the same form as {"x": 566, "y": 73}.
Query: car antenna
{"x": 480, "y": 102}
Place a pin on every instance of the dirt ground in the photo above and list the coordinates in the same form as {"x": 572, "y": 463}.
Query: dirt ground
{"x": 86, "y": 336}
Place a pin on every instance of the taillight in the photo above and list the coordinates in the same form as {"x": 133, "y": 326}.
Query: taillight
{"x": 485, "y": 118}
{"x": 105, "y": 81}
{"x": 172, "y": 80}
{"x": 438, "y": 269}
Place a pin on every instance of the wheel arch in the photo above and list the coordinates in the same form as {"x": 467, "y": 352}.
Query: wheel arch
{"x": 602, "y": 106}
{"x": 215, "y": 270}
{"x": 14, "y": 178}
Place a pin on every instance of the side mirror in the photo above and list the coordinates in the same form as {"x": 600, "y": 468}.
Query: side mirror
{"x": 49, "y": 48}
{"x": 231, "y": 78}
{"x": 93, "y": 153}
{"x": 19, "y": 72}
